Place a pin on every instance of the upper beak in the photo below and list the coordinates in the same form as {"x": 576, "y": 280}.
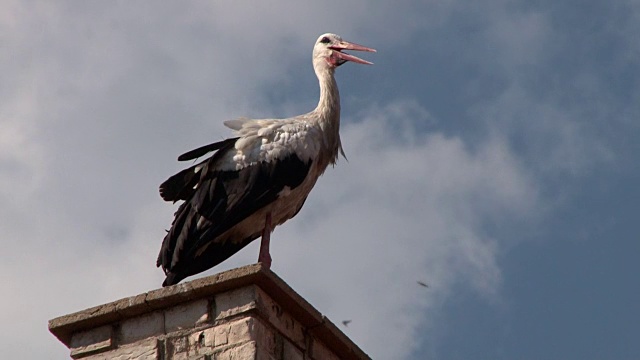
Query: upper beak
{"x": 345, "y": 45}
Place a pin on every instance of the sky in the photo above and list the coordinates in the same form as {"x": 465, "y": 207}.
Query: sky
{"x": 492, "y": 154}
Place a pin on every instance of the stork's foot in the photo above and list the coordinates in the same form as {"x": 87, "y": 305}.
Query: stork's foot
{"x": 265, "y": 257}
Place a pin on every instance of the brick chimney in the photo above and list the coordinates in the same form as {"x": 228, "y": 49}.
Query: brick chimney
{"x": 245, "y": 313}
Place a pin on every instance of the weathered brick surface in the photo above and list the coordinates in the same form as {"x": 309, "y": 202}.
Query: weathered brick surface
{"x": 290, "y": 352}
{"x": 186, "y": 316}
{"x": 277, "y": 317}
{"x": 319, "y": 351}
{"x": 221, "y": 335}
{"x": 249, "y": 315}
{"x": 91, "y": 341}
{"x": 141, "y": 350}
{"x": 245, "y": 351}
{"x": 141, "y": 327}
{"x": 235, "y": 302}
{"x": 242, "y": 330}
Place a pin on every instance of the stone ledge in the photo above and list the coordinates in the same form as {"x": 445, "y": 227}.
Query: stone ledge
{"x": 314, "y": 322}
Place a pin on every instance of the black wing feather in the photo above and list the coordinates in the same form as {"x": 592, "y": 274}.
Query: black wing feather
{"x": 180, "y": 186}
{"x": 223, "y": 199}
{"x": 203, "y": 150}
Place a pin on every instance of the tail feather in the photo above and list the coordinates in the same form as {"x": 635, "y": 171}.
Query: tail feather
{"x": 189, "y": 248}
{"x": 172, "y": 279}
{"x": 193, "y": 245}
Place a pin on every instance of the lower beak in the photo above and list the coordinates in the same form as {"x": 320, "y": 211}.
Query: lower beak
{"x": 345, "y": 45}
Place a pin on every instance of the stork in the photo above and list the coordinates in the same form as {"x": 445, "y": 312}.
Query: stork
{"x": 256, "y": 180}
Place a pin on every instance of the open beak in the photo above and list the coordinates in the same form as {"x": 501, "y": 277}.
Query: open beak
{"x": 343, "y": 57}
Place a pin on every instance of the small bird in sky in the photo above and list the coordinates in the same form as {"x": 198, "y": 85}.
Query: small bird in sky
{"x": 421, "y": 283}
{"x": 346, "y": 322}
{"x": 256, "y": 180}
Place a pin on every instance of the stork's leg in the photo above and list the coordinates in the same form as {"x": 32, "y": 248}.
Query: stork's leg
{"x": 265, "y": 257}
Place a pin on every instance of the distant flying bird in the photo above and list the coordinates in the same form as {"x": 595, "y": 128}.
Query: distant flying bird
{"x": 256, "y": 180}
{"x": 346, "y": 322}
{"x": 422, "y": 284}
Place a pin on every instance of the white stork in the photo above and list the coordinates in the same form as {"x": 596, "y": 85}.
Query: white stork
{"x": 256, "y": 180}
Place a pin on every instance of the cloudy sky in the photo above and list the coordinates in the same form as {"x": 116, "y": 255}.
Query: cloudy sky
{"x": 493, "y": 154}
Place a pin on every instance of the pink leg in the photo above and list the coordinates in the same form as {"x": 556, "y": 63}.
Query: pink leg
{"x": 265, "y": 257}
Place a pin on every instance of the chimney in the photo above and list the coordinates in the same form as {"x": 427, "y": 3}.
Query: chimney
{"x": 244, "y": 313}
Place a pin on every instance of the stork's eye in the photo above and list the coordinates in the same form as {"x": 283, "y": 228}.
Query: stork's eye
{"x": 325, "y": 40}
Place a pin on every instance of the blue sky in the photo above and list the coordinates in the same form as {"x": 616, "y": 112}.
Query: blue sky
{"x": 492, "y": 154}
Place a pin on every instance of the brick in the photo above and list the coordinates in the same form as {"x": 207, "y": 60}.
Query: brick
{"x": 268, "y": 342}
{"x": 320, "y": 352}
{"x": 235, "y": 302}
{"x": 275, "y": 315}
{"x": 141, "y": 327}
{"x": 291, "y": 352}
{"x": 249, "y": 298}
{"x": 187, "y": 347}
{"x": 221, "y": 335}
{"x": 251, "y": 329}
{"x": 246, "y": 351}
{"x": 142, "y": 350}
{"x": 186, "y": 316}
{"x": 91, "y": 341}
{"x": 177, "y": 345}
{"x": 200, "y": 343}
{"x": 132, "y": 306}
{"x": 242, "y": 330}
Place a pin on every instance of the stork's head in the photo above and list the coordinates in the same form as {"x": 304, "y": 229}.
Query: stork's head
{"x": 327, "y": 52}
